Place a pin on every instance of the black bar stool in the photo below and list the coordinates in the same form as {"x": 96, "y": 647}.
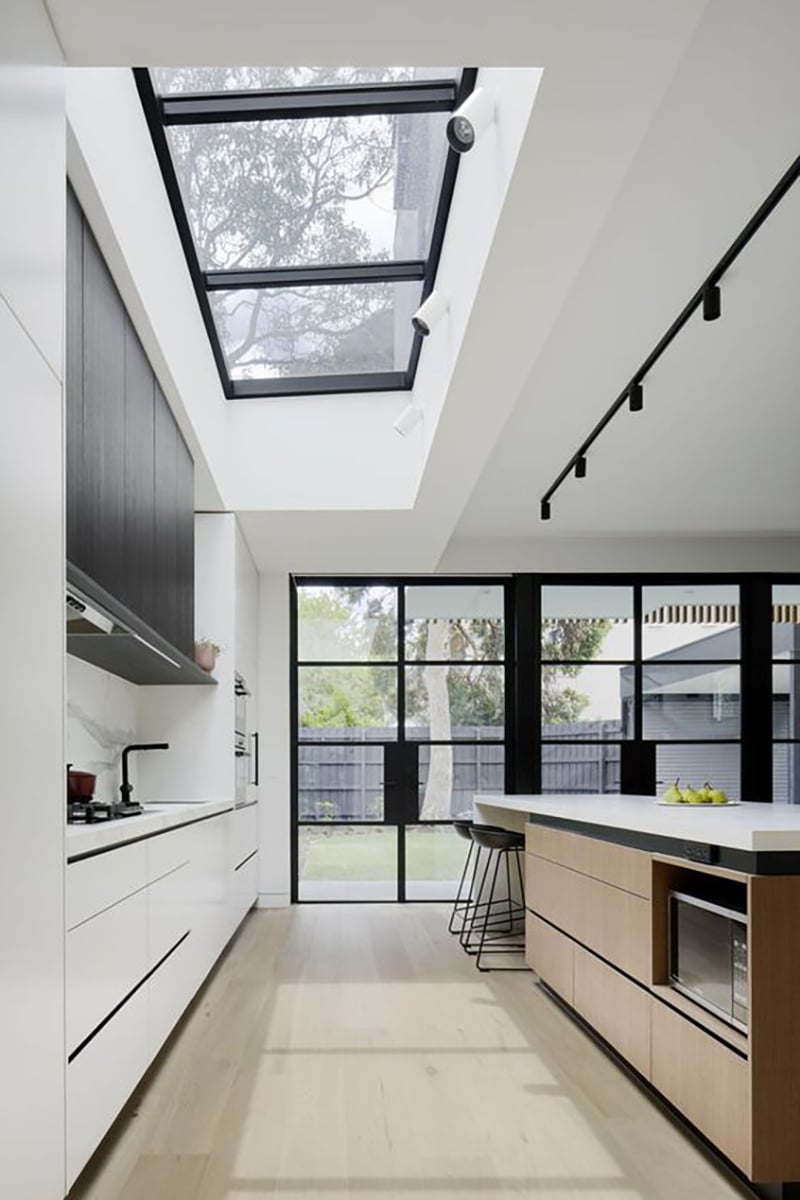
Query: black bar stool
{"x": 462, "y": 904}
{"x": 497, "y": 924}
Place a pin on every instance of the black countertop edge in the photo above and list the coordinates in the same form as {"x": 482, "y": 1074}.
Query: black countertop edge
{"x": 749, "y": 862}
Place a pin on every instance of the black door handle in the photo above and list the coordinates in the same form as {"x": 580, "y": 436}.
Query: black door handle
{"x": 255, "y": 757}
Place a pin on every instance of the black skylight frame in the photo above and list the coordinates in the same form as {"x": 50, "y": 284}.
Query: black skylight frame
{"x": 413, "y": 96}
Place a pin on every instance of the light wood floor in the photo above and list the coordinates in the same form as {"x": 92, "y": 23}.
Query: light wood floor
{"x": 354, "y": 1051}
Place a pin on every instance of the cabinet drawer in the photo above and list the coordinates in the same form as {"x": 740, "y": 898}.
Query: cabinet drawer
{"x": 615, "y": 1007}
{"x": 244, "y": 833}
{"x": 170, "y": 989}
{"x": 105, "y": 958}
{"x": 706, "y": 1081}
{"x": 169, "y": 912}
{"x": 618, "y": 865}
{"x": 101, "y": 1079}
{"x": 550, "y": 954}
{"x": 613, "y": 923}
{"x": 98, "y": 882}
{"x": 245, "y": 887}
{"x": 167, "y": 851}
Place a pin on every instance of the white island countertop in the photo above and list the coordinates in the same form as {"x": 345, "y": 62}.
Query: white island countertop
{"x": 156, "y": 818}
{"x": 751, "y": 827}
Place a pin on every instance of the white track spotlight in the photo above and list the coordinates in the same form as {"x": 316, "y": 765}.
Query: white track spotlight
{"x": 409, "y": 418}
{"x": 469, "y": 121}
{"x": 430, "y": 312}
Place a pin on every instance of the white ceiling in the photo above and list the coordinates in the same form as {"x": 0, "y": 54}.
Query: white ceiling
{"x": 657, "y": 131}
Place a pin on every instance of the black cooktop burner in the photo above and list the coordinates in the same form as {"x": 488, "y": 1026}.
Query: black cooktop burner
{"x": 92, "y": 812}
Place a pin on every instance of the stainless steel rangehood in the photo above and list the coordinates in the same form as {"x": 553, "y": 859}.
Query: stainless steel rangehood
{"x": 104, "y": 632}
{"x": 82, "y": 618}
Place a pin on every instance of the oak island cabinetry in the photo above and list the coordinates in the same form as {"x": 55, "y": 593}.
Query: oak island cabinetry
{"x": 606, "y": 892}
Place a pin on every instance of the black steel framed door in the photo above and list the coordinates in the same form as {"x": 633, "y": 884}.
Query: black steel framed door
{"x": 399, "y": 701}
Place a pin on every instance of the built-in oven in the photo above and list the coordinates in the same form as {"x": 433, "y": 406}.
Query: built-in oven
{"x": 245, "y": 744}
{"x": 708, "y": 955}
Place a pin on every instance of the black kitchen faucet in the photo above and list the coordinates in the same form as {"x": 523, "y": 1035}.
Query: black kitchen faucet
{"x": 127, "y": 787}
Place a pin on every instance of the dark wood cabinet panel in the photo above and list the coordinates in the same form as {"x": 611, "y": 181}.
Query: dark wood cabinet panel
{"x": 130, "y": 475}
{"x": 184, "y": 482}
{"x": 103, "y": 422}
{"x": 73, "y": 385}
{"x": 166, "y": 522}
{"x": 139, "y": 480}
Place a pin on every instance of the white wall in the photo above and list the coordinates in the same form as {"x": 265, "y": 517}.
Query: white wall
{"x": 274, "y": 721}
{"x": 497, "y": 554}
{"x": 197, "y": 721}
{"x": 32, "y": 221}
{"x": 102, "y": 718}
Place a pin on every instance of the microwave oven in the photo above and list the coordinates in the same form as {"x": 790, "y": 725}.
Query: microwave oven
{"x": 708, "y": 956}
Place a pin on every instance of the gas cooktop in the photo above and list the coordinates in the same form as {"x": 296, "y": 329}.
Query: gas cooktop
{"x": 92, "y": 812}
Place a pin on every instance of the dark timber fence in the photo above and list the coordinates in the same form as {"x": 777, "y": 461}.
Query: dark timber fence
{"x": 345, "y": 781}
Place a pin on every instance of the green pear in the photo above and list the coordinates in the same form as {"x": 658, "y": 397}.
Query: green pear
{"x": 692, "y": 796}
{"x": 717, "y": 796}
{"x": 673, "y": 794}
{"x": 706, "y": 791}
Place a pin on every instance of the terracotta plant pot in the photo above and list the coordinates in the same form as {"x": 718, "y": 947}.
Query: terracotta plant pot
{"x": 205, "y": 656}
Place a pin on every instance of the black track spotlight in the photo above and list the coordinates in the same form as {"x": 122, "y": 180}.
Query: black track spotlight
{"x": 712, "y": 302}
{"x": 545, "y": 510}
{"x": 636, "y": 398}
{"x": 580, "y": 467}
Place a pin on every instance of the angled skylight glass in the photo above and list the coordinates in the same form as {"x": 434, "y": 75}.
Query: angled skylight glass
{"x": 311, "y": 203}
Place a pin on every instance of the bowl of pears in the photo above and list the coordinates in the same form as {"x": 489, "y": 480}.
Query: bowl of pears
{"x": 690, "y": 795}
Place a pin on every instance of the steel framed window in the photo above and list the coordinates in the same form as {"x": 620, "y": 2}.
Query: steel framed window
{"x": 346, "y": 322}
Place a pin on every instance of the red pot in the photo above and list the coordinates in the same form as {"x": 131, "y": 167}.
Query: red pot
{"x": 80, "y": 785}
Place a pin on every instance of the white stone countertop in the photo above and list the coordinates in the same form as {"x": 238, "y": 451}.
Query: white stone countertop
{"x": 755, "y": 827}
{"x": 157, "y": 816}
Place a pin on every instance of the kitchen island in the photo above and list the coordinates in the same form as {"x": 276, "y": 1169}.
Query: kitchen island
{"x": 599, "y": 873}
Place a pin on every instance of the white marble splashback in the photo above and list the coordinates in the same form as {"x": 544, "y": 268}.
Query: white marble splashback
{"x": 101, "y": 719}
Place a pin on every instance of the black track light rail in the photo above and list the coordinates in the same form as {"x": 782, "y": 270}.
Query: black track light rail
{"x": 707, "y": 296}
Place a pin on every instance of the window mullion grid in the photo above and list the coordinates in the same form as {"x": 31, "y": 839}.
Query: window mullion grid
{"x": 218, "y": 108}
{"x": 400, "y": 609}
{"x": 318, "y": 275}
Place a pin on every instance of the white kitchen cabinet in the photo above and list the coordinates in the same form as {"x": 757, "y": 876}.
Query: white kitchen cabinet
{"x": 243, "y": 861}
{"x": 106, "y": 959}
{"x": 169, "y": 912}
{"x": 101, "y": 1079}
{"x": 245, "y": 888}
{"x": 244, "y": 834}
{"x": 170, "y": 990}
{"x": 96, "y": 883}
{"x": 170, "y": 891}
{"x": 149, "y": 920}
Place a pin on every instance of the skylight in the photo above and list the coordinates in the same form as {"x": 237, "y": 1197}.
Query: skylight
{"x": 311, "y": 204}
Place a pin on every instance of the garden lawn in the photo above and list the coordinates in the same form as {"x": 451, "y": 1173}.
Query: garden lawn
{"x": 435, "y": 854}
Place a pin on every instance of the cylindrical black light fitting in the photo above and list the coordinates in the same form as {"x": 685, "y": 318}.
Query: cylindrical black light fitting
{"x": 712, "y": 302}
{"x": 636, "y": 397}
{"x": 580, "y": 467}
{"x": 545, "y": 510}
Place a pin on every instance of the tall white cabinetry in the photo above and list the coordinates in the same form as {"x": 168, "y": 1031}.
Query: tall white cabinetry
{"x": 32, "y": 219}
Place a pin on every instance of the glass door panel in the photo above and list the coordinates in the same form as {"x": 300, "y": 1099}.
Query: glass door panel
{"x": 400, "y": 719}
{"x": 338, "y": 863}
{"x": 434, "y": 861}
{"x": 340, "y": 783}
